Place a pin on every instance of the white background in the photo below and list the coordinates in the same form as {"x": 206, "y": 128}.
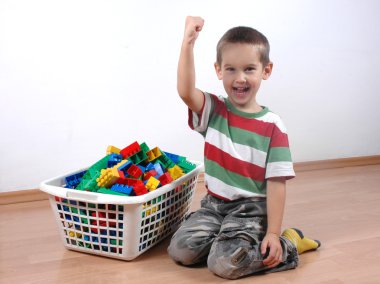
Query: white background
{"x": 77, "y": 76}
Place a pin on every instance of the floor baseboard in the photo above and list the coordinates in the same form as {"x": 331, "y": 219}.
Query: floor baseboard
{"x": 35, "y": 194}
{"x": 336, "y": 163}
{"x": 22, "y": 196}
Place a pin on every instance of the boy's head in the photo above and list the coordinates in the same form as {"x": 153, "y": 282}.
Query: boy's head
{"x": 242, "y": 63}
{"x": 244, "y": 35}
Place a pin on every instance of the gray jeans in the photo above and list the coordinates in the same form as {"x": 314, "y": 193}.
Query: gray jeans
{"x": 228, "y": 235}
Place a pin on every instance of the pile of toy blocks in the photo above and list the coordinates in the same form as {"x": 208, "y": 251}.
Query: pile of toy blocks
{"x": 132, "y": 171}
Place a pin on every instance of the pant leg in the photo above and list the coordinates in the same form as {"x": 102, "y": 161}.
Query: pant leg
{"x": 236, "y": 250}
{"x": 191, "y": 243}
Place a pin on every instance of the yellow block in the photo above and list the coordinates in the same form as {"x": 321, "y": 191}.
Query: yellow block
{"x": 112, "y": 150}
{"x": 176, "y": 172}
{"x": 152, "y": 183}
{"x": 107, "y": 177}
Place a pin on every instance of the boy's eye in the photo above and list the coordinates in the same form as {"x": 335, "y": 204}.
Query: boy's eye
{"x": 250, "y": 69}
{"x": 230, "y": 69}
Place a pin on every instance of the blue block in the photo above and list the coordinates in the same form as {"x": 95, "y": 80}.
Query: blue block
{"x": 114, "y": 159}
{"x": 158, "y": 169}
{"x": 73, "y": 180}
{"x": 121, "y": 188}
{"x": 149, "y": 167}
{"x": 175, "y": 158}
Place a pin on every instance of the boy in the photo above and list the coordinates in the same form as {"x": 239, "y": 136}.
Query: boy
{"x": 247, "y": 162}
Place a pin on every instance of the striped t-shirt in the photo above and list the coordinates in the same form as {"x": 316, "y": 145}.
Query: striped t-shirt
{"x": 242, "y": 149}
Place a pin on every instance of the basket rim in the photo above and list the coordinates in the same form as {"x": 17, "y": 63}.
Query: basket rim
{"x": 50, "y": 186}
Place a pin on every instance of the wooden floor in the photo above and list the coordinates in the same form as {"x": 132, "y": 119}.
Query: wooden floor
{"x": 341, "y": 207}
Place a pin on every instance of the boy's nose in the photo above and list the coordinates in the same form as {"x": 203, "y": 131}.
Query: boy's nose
{"x": 240, "y": 78}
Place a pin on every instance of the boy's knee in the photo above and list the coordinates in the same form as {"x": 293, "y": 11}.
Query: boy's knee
{"x": 222, "y": 266}
{"x": 223, "y": 261}
{"x": 181, "y": 253}
{"x": 232, "y": 259}
{"x": 183, "y": 250}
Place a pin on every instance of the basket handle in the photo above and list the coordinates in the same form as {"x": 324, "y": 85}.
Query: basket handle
{"x": 84, "y": 196}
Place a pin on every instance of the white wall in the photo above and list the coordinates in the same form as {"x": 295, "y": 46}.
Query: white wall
{"x": 77, "y": 76}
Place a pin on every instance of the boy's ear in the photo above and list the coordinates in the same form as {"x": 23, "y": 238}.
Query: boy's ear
{"x": 218, "y": 71}
{"x": 267, "y": 70}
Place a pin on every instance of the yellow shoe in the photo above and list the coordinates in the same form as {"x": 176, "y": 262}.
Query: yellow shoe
{"x": 301, "y": 242}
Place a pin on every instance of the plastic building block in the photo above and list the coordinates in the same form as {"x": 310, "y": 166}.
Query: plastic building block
{"x": 73, "y": 180}
{"x": 112, "y": 150}
{"x": 89, "y": 184}
{"x": 149, "y": 167}
{"x": 101, "y": 164}
{"x": 108, "y": 177}
{"x": 130, "y": 150}
{"x": 125, "y": 189}
{"x": 166, "y": 161}
{"x": 124, "y": 166}
{"x": 144, "y": 147}
{"x": 154, "y": 154}
{"x": 134, "y": 171}
{"x": 109, "y": 191}
{"x": 129, "y": 181}
{"x": 140, "y": 189}
{"x": 122, "y": 179}
{"x": 175, "y": 172}
{"x": 152, "y": 183}
{"x": 175, "y": 158}
{"x": 88, "y": 181}
{"x": 151, "y": 173}
{"x": 121, "y": 165}
{"x": 114, "y": 159}
{"x": 186, "y": 166}
{"x": 138, "y": 157}
{"x": 165, "y": 179}
{"x": 143, "y": 169}
{"x": 158, "y": 169}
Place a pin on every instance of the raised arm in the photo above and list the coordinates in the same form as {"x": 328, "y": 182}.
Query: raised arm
{"x": 192, "y": 96}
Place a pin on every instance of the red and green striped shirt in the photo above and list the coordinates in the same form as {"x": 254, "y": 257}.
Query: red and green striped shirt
{"x": 242, "y": 150}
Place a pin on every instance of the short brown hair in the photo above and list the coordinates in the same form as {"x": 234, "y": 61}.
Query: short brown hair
{"x": 244, "y": 35}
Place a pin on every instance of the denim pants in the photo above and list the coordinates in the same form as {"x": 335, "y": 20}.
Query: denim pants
{"x": 228, "y": 235}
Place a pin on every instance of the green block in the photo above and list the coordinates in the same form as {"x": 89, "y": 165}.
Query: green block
{"x": 89, "y": 184}
{"x": 166, "y": 161}
{"x": 144, "y": 147}
{"x": 108, "y": 191}
{"x": 101, "y": 164}
{"x": 138, "y": 157}
{"x": 186, "y": 166}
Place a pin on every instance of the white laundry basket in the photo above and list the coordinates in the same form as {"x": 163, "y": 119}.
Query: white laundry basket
{"x": 120, "y": 227}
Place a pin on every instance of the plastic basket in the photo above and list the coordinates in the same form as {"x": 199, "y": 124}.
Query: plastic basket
{"x": 117, "y": 226}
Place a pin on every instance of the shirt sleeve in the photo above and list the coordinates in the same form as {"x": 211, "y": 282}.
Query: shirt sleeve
{"x": 279, "y": 159}
{"x": 199, "y": 122}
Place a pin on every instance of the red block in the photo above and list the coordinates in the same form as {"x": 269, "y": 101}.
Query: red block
{"x": 140, "y": 189}
{"x": 134, "y": 171}
{"x": 165, "y": 179}
{"x": 130, "y": 150}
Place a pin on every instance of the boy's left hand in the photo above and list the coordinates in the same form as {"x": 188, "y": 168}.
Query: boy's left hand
{"x": 272, "y": 242}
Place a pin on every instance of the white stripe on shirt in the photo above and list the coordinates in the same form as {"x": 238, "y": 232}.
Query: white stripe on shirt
{"x": 228, "y": 191}
{"x": 238, "y": 151}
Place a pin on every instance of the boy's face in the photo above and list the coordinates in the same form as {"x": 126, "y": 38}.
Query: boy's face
{"x": 242, "y": 72}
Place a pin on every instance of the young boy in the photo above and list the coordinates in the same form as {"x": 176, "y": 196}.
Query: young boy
{"x": 247, "y": 162}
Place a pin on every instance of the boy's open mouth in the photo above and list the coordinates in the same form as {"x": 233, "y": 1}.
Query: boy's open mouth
{"x": 240, "y": 91}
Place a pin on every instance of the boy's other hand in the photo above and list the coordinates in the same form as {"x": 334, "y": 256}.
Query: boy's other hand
{"x": 192, "y": 28}
{"x": 272, "y": 243}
